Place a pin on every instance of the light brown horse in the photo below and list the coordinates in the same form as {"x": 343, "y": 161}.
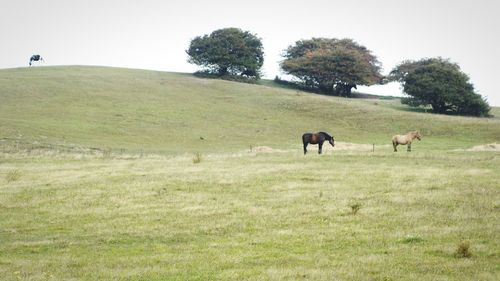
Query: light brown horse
{"x": 405, "y": 139}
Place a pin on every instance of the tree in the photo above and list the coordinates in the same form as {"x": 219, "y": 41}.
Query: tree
{"x": 333, "y": 66}
{"x": 441, "y": 84}
{"x": 228, "y": 51}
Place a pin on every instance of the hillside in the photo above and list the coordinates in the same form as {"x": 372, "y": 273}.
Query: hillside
{"x": 227, "y": 213}
{"x": 153, "y": 111}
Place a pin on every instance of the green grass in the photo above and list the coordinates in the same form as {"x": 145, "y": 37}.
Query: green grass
{"x": 160, "y": 112}
{"x": 118, "y": 174}
{"x": 271, "y": 216}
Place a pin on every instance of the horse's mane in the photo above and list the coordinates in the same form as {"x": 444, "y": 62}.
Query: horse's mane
{"x": 326, "y": 134}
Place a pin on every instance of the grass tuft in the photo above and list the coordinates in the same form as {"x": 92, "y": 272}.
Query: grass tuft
{"x": 355, "y": 207}
{"x": 197, "y": 158}
{"x": 463, "y": 250}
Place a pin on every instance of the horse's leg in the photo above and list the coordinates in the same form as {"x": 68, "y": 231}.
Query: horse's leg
{"x": 305, "y": 148}
{"x": 394, "y": 144}
{"x": 320, "y": 146}
{"x": 409, "y": 147}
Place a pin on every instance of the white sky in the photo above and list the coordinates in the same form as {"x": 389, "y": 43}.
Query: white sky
{"x": 153, "y": 34}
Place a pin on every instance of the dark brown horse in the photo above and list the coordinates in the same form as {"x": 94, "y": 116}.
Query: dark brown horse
{"x": 318, "y": 138}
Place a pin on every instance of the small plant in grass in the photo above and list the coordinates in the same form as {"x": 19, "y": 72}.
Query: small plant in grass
{"x": 410, "y": 239}
{"x": 13, "y": 175}
{"x": 463, "y": 250}
{"x": 197, "y": 158}
{"x": 355, "y": 207}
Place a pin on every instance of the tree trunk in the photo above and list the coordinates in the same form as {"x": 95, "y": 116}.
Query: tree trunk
{"x": 222, "y": 70}
{"x": 439, "y": 107}
{"x": 327, "y": 88}
{"x": 344, "y": 89}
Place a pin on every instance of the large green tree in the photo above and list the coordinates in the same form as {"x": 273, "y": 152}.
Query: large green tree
{"x": 228, "y": 51}
{"x": 441, "y": 84}
{"x": 333, "y": 66}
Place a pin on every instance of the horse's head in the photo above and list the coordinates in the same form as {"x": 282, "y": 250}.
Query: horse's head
{"x": 332, "y": 142}
{"x": 418, "y": 135}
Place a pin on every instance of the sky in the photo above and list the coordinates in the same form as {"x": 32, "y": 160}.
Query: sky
{"x": 154, "y": 34}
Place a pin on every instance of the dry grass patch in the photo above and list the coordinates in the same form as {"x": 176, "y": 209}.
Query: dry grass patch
{"x": 485, "y": 147}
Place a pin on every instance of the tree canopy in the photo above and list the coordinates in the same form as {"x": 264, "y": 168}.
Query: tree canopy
{"x": 228, "y": 51}
{"x": 333, "y": 66}
{"x": 441, "y": 84}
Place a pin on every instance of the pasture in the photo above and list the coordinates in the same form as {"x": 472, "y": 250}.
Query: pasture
{"x": 117, "y": 174}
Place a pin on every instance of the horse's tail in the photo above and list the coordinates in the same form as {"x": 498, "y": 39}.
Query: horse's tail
{"x": 394, "y": 140}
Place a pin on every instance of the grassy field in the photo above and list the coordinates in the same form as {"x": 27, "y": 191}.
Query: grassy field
{"x": 104, "y": 176}
{"x": 163, "y": 112}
